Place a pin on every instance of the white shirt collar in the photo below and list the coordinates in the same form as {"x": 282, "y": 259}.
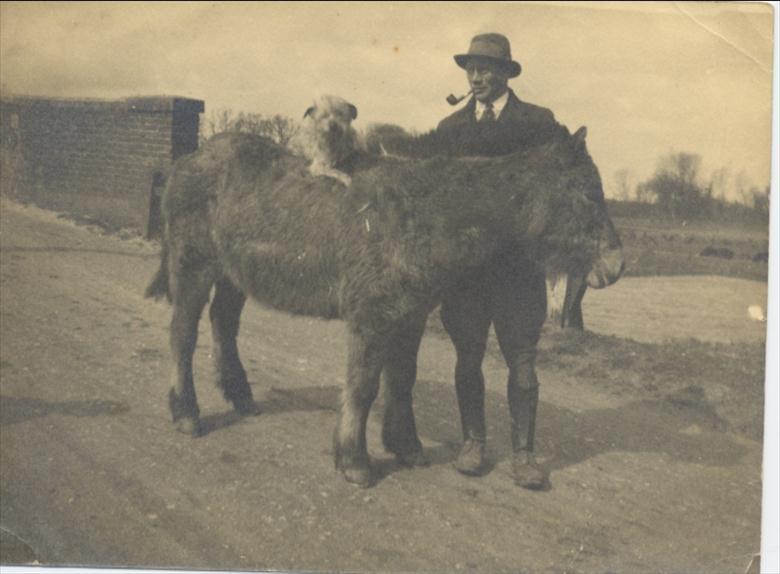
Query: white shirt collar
{"x": 498, "y": 106}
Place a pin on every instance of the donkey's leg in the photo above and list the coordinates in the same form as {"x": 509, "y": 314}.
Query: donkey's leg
{"x": 189, "y": 294}
{"x": 225, "y": 314}
{"x": 466, "y": 318}
{"x": 399, "y": 432}
{"x": 572, "y": 304}
{"x": 364, "y": 366}
{"x": 520, "y": 311}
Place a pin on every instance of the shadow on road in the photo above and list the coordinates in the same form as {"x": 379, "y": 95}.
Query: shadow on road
{"x": 279, "y": 401}
{"x": 683, "y": 426}
{"x": 15, "y": 410}
{"x": 301, "y": 399}
{"x": 60, "y": 249}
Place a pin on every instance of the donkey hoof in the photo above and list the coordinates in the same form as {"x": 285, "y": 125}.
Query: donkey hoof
{"x": 189, "y": 426}
{"x": 359, "y": 476}
{"x": 527, "y": 473}
{"x": 412, "y": 459}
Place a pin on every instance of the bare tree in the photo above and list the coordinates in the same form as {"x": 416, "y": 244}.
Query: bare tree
{"x": 675, "y": 185}
{"x": 643, "y": 193}
{"x": 218, "y": 121}
{"x": 684, "y": 166}
{"x": 624, "y": 179}
{"x": 719, "y": 181}
{"x": 742, "y": 188}
{"x": 760, "y": 199}
{"x": 250, "y": 123}
{"x": 281, "y": 129}
{"x": 278, "y": 128}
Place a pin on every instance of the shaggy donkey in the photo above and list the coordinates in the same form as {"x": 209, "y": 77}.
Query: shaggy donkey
{"x": 245, "y": 215}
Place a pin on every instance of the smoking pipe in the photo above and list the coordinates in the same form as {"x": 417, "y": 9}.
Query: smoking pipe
{"x": 453, "y": 101}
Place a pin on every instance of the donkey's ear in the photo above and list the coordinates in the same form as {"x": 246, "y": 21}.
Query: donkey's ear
{"x": 353, "y": 111}
{"x": 579, "y": 136}
{"x": 309, "y": 112}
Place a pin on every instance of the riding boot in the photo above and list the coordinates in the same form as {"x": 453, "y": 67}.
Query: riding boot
{"x": 523, "y": 402}
{"x": 471, "y": 402}
{"x": 471, "y": 458}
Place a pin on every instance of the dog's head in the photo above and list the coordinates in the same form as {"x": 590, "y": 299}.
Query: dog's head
{"x": 329, "y": 123}
{"x": 332, "y": 109}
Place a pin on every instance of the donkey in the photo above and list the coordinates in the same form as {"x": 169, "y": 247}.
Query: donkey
{"x": 245, "y": 216}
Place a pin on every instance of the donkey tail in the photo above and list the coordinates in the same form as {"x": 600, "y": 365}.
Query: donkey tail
{"x": 159, "y": 286}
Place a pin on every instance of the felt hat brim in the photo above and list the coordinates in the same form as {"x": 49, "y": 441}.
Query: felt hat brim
{"x": 514, "y": 68}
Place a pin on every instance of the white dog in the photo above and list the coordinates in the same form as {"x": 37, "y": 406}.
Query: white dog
{"x": 327, "y": 137}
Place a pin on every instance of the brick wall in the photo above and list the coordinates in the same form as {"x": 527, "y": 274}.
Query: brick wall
{"x": 94, "y": 157}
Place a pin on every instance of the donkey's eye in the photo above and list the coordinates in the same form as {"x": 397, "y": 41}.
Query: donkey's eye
{"x": 594, "y": 194}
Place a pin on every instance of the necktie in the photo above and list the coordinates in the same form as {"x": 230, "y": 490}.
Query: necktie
{"x": 488, "y": 115}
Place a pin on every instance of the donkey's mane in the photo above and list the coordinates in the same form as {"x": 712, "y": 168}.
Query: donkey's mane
{"x": 476, "y": 140}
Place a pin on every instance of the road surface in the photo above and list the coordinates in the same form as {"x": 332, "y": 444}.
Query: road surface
{"x": 93, "y": 473}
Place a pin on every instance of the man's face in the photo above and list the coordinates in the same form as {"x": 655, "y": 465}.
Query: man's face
{"x": 487, "y": 78}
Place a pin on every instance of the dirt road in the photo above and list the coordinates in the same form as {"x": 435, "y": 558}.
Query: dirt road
{"x": 93, "y": 473}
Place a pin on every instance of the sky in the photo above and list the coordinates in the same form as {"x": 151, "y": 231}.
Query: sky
{"x": 647, "y": 79}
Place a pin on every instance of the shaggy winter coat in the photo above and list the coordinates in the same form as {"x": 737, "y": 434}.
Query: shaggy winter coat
{"x": 246, "y": 215}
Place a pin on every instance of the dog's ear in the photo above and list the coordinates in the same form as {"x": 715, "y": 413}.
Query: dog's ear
{"x": 309, "y": 112}
{"x": 353, "y": 111}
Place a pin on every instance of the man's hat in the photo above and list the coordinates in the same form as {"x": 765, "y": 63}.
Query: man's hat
{"x": 493, "y": 47}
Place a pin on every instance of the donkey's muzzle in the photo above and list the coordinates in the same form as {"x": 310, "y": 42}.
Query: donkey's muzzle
{"x": 607, "y": 269}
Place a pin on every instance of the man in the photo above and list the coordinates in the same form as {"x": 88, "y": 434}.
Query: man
{"x": 495, "y": 119}
{"x": 510, "y": 293}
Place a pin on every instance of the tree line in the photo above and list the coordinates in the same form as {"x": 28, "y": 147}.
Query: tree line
{"x": 680, "y": 192}
{"x": 282, "y": 129}
{"x": 279, "y": 128}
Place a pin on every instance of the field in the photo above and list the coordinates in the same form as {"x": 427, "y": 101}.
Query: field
{"x": 654, "y": 247}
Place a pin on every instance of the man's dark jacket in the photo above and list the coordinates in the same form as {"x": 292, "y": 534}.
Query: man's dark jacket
{"x": 519, "y": 126}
